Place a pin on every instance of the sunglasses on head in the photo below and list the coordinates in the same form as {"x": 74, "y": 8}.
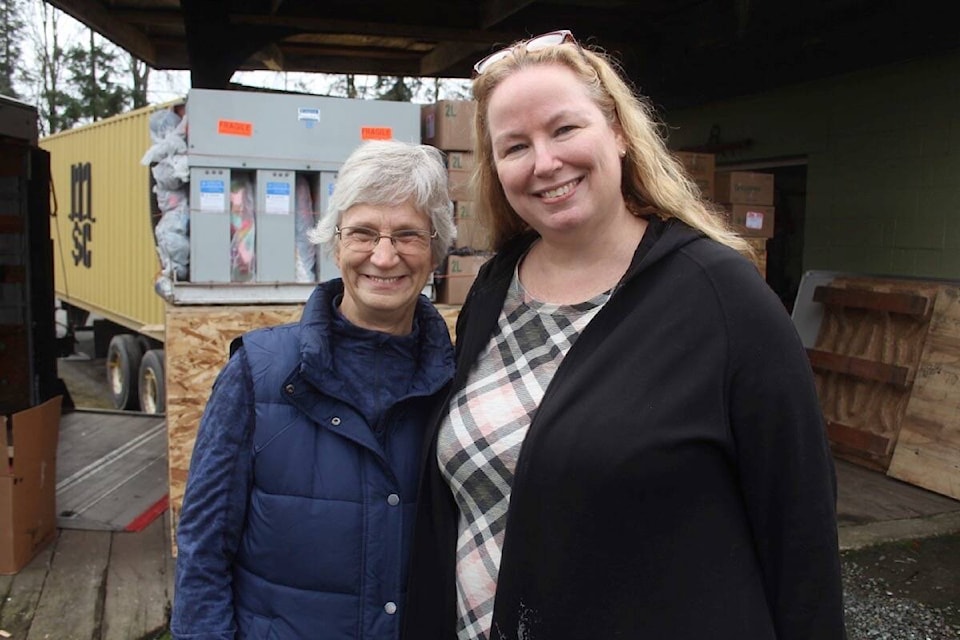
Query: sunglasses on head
{"x": 542, "y": 41}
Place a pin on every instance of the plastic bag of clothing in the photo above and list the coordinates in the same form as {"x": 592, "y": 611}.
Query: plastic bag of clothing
{"x": 169, "y": 199}
{"x": 162, "y": 123}
{"x": 168, "y": 173}
{"x": 173, "y": 241}
{"x": 169, "y": 134}
{"x": 305, "y": 251}
{"x": 243, "y": 267}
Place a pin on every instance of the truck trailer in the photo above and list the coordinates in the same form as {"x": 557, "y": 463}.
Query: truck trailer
{"x": 195, "y": 206}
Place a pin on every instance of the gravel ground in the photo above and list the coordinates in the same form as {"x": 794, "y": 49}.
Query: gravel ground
{"x": 906, "y": 590}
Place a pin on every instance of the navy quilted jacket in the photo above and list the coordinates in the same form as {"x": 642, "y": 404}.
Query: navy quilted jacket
{"x": 298, "y": 514}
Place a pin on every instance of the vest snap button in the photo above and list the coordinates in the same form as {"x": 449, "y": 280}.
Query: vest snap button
{"x": 335, "y": 421}
{"x": 289, "y": 389}
{"x": 390, "y": 608}
{"x": 393, "y": 499}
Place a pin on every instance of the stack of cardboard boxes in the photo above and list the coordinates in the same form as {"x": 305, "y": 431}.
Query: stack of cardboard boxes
{"x": 746, "y": 198}
{"x": 448, "y": 125}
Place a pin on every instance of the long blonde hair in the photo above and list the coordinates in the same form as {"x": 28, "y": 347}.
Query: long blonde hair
{"x": 653, "y": 182}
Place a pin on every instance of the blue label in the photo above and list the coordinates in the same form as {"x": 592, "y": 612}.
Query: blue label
{"x": 278, "y": 188}
{"x": 211, "y": 186}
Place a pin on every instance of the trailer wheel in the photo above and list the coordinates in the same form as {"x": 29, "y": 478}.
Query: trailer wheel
{"x": 153, "y": 395}
{"x": 123, "y": 367}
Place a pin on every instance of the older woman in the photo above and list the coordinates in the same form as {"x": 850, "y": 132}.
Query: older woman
{"x": 299, "y": 506}
{"x": 633, "y": 445}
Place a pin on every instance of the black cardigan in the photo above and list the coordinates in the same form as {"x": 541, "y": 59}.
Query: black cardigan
{"x": 676, "y": 481}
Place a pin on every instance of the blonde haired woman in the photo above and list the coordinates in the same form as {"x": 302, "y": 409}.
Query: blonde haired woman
{"x": 633, "y": 446}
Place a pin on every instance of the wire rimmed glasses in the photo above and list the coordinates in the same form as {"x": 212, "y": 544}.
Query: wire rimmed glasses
{"x": 542, "y": 41}
{"x": 406, "y": 242}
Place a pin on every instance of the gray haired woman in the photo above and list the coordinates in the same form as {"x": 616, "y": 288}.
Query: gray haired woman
{"x": 299, "y": 506}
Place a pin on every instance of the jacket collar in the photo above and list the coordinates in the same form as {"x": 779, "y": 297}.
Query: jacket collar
{"x": 435, "y": 365}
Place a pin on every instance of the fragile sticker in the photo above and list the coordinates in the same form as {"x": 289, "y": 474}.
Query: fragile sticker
{"x": 235, "y": 128}
{"x": 376, "y": 133}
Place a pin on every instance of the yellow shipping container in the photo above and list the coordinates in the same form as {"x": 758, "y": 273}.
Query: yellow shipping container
{"x": 105, "y": 258}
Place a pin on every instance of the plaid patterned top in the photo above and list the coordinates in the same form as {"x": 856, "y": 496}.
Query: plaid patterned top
{"x": 479, "y": 441}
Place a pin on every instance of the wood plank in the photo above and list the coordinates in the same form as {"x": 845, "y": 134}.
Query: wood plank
{"x": 864, "y": 495}
{"x": 70, "y": 607}
{"x": 22, "y": 593}
{"x": 136, "y": 595}
{"x": 858, "y": 439}
{"x": 891, "y": 302}
{"x": 197, "y": 346}
{"x": 895, "y": 375}
{"x": 928, "y": 451}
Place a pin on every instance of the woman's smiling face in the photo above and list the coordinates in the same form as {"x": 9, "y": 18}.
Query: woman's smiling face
{"x": 380, "y": 289}
{"x": 557, "y": 157}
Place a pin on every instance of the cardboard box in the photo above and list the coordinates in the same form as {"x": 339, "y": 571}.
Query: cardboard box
{"x": 448, "y": 124}
{"x": 459, "y": 183}
{"x": 743, "y": 187}
{"x": 751, "y": 220}
{"x": 28, "y": 480}
{"x": 460, "y": 273}
{"x": 470, "y": 233}
{"x": 701, "y": 168}
{"x": 461, "y": 160}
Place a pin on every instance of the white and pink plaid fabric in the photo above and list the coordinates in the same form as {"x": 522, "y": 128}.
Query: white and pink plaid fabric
{"x": 479, "y": 441}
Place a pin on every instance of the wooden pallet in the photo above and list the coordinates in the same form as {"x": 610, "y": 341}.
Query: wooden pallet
{"x": 882, "y": 360}
{"x": 928, "y": 449}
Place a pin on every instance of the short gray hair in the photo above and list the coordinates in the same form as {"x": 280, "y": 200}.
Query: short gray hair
{"x": 390, "y": 172}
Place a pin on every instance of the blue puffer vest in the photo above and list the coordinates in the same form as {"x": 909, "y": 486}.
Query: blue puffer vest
{"x": 331, "y": 511}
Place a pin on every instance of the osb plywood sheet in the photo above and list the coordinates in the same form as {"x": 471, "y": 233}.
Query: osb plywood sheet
{"x": 928, "y": 451}
{"x": 866, "y": 405}
{"x": 197, "y": 347}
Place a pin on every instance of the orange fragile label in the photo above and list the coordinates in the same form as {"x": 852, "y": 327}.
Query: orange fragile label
{"x": 235, "y": 128}
{"x": 376, "y": 133}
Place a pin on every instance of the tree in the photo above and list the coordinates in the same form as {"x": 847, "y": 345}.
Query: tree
{"x": 49, "y": 81}
{"x": 140, "y": 76}
{"x": 91, "y": 75}
{"x": 11, "y": 36}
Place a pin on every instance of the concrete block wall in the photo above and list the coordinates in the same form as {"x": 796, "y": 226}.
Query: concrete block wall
{"x": 883, "y": 162}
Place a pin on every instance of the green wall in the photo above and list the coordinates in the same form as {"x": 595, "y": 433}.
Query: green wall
{"x": 883, "y": 162}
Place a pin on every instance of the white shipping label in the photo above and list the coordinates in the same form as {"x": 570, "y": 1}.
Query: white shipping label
{"x": 212, "y": 196}
{"x": 277, "y": 198}
{"x": 754, "y": 220}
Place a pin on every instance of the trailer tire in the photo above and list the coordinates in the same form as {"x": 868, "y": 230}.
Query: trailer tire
{"x": 153, "y": 388}
{"x": 123, "y": 369}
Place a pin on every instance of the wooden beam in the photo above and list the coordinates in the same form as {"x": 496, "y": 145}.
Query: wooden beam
{"x": 891, "y": 374}
{"x": 92, "y": 14}
{"x": 891, "y": 302}
{"x": 496, "y": 11}
{"x": 448, "y": 54}
{"x": 858, "y": 439}
{"x": 309, "y": 24}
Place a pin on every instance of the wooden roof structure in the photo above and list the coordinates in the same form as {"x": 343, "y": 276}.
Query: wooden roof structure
{"x": 682, "y": 53}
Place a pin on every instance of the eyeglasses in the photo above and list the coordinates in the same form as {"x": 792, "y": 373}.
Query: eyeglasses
{"x": 405, "y": 241}
{"x": 561, "y": 36}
